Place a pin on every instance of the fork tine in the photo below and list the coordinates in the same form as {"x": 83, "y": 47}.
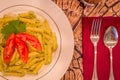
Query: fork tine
{"x": 100, "y": 21}
{"x": 96, "y": 26}
{"x": 92, "y": 28}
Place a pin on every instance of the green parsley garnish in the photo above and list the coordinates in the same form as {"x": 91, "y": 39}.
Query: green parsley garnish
{"x": 14, "y": 26}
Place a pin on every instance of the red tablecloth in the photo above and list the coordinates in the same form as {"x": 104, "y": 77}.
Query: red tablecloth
{"x": 103, "y": 59}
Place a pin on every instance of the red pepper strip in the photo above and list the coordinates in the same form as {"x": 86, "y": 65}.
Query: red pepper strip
{"x": 33, "y": 41}
{"x": 9, "y": 48}
{"x": 22, "y": 49}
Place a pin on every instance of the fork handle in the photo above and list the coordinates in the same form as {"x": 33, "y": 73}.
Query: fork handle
{"x": 94, "y": 76}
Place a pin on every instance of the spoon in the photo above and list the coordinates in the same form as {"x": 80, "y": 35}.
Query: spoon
{"x": 110, "y": 41}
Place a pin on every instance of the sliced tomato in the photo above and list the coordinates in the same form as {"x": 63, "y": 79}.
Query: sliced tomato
{"x": 33, "y": 41}
{"x": 9, "y": 48}
{"x": 22, "y": 49}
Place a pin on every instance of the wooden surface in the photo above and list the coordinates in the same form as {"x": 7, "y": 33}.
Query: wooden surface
{"x": 74, "y": 10}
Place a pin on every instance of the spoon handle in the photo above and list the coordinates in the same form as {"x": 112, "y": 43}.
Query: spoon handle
{"x": 94, "y": 76}
{"x": 111, "y": 77}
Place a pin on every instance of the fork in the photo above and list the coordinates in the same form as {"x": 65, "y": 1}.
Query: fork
{"x": 94, "y": 37}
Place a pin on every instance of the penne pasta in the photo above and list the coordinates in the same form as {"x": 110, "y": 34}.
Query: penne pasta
{"x": 13, "y": 74}
{"x": 48, "y": 54}
{"x": 13, "y": 68}
{"x": 38, "y": 66}
{"x": 27, "y": 20}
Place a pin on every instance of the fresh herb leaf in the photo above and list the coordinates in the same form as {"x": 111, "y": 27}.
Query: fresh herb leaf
{"x": 14, "y": 26}
{"x": 21, "y": 27}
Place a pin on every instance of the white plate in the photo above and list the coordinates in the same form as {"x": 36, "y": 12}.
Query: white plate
{"x": 59, "y": 24}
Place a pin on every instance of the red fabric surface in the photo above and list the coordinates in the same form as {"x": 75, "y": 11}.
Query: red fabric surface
{"x": 103, "y": 59}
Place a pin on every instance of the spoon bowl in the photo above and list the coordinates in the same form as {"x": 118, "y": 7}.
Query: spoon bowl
{"x": 111, "y": 37}
{"x": 110, "y": 41}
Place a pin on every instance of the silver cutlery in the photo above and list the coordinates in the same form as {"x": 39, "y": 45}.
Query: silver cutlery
{"x": 94, "y": 37}
{"x": 110, "y": 41}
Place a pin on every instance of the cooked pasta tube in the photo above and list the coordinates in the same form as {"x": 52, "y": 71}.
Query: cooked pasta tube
{"x": 13, "y": 68}
{"x": 27, "y": 20}
{"x": 48, "y": 54}
{"x": 29, "y": 15}
{"x": 54, "y": 42}
{"x": 13, "y": 74}
{"x": 5, "y": 20}
{"x": 39, "y": 65}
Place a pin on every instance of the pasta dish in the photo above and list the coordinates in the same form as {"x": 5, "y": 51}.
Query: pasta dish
{"x": 26, "y": 44}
